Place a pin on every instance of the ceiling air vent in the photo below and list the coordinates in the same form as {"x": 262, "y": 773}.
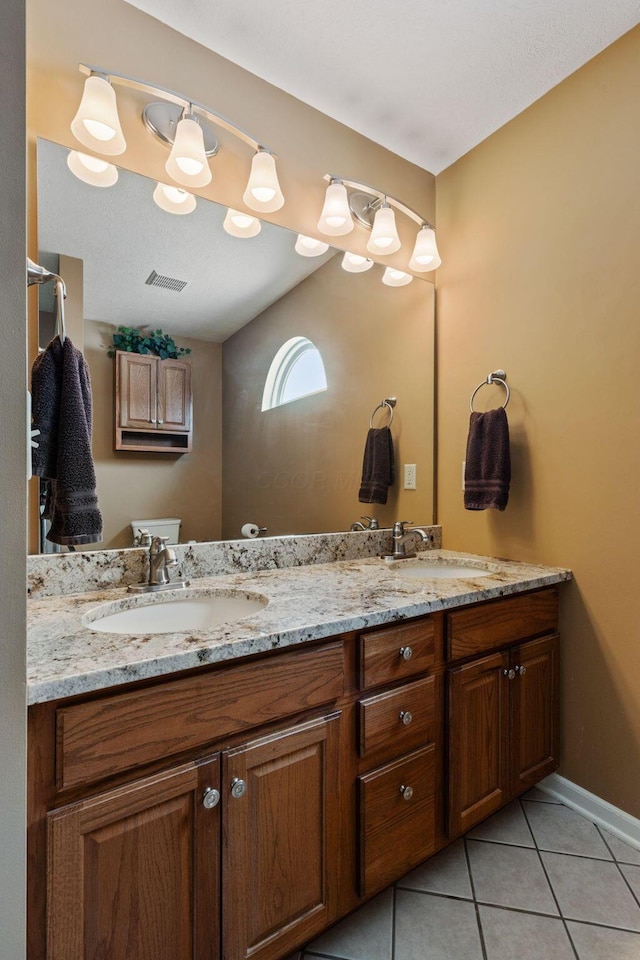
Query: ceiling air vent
{"x": 167, "y": 283}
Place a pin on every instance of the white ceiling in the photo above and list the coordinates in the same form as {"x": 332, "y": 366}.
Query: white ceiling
{"x": 429, "y": 79}
{"x": 121, "y": 236}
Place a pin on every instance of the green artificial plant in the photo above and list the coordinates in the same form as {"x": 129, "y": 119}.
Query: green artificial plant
{"x": 132, "y": 340}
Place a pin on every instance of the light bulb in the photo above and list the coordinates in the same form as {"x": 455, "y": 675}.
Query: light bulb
{"x": 173, "y": 199}
{"x": 96, "y": 124}
{"x": 335, "y": 219}
{"x": 425, "y": 254}
{"x": 239, "y": 224}
{"x": 354, "y": 263}
{"x": 92, "y": 170}
{"x": 309, "y": 246}
{"x": 263, "y": 191}
{"x": 396, "y": 278}
{"x": 384, "y": 237}
{"x": 187, "y": 163}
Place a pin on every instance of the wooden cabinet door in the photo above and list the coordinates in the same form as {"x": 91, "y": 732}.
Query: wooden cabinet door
{"x": 136, "y": 391}
{"x": 133, "y": 873}
{"x": 280, "y": 843}
{"x": 174, "y": 395}
{"x": 478, "y": 740}
{"x": 534, "y": 708}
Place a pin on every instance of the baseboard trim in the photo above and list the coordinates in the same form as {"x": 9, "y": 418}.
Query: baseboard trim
{"x": 612, "y": 819}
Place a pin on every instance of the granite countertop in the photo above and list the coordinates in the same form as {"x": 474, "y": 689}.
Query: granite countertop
{"x": 66, "y": 657}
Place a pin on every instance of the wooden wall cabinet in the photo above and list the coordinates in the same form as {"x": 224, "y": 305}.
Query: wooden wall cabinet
{"x": 153, "y": 403}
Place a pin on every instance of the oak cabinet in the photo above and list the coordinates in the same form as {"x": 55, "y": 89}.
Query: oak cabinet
{"x": 503, "y": 728}
{"x": 153, "y": 403}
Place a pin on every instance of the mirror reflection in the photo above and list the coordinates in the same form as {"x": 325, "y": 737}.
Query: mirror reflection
{"x": 237, "y": 303}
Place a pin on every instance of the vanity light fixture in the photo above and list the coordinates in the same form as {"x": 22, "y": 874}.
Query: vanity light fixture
{"x": 384, "y": 238}
{"x": 354, "y": 263}
{"x": 174, "y": 199}
{"x": 335, "y": 219}
{"x": 239, "y": 224}
{"x": 92, "y": 170}
{"x": 395, "y": 278}
{"x": 425, "y": 254}
{"x": 309, "y": 246}
{"x": 187, "y": 126}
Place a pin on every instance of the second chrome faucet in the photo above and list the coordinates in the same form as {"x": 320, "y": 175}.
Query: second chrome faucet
{"x": 401, "y": 537}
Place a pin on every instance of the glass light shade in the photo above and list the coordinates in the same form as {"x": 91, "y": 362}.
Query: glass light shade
{"x": 96, "y": 124}
{"x": 187, "y": 163}
{"x": 173, "y": 199}
{"x": 263, "y": 191}
{"x": 396, "y": 278}
{"x": 354, "y": 263}
{"x": 425, "y": 254}
{"x": 309, "y": 246}
{"x": 384, "y": 237}
{"x": 92, "y": 170}
{"x": 335, "y": 219}
{"x": 239, "y": 224}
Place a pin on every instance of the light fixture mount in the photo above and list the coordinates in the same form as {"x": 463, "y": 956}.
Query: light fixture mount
{"x": 365, "y": 198}
{"x": 161, "y": 119}
{"x": 364, "y": 206}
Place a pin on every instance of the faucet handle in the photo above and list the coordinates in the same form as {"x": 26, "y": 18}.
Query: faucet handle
{"x": 398, "y": 527}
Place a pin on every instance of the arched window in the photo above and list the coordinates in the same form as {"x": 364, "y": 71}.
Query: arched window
{"x": 297, "y": 371}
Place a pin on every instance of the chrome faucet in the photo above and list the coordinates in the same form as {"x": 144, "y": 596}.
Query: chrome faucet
{"x": 370, "y": 524}
{"x": 401, "y": 537}
{"x": 161, "y": 557}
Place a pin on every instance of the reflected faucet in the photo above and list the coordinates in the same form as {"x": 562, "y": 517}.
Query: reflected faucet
{"x": 402, "y": 537}
{"x": 370, "y": 524}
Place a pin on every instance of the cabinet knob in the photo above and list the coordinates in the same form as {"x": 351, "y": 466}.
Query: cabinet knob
{"x": 153, "y": 421}
{"x": 406, "y": 653}
{"x": 238, "y": 788}
{"x": 211, "y": 798}
{"x": 521, "y": 670}
{"x": 406, "y": 716}
{"x": 160, "y": 421}
{"x": 509, "y": 674}
{"x": 406, "y": 792}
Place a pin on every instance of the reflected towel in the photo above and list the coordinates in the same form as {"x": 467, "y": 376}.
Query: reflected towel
{"x": 378, "y": 472}
{"x": 487, "y": 472}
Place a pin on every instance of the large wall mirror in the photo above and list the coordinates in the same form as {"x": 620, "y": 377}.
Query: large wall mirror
{"x": 294, "y": 468}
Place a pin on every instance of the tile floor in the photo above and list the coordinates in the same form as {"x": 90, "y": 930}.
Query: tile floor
{"x": 534, "y": 882}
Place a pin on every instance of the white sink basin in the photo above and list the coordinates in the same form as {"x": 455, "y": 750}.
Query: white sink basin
{"x": 440, "y": 568}
{"x": 174, "y": 613}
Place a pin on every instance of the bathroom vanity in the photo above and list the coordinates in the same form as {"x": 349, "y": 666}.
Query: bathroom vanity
{"x": 233, "y": 795}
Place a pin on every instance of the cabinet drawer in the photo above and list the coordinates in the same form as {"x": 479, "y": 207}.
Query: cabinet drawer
{"x": 397, "y": 721}
{"x": 396, "y": 834}
{"x": 501, "y": 622}
{"x": 105, "y": 737}
{"x": 396, "y": 652}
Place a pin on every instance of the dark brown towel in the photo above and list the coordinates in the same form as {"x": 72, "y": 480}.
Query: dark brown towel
{"x": 378, "y": 471}
{"x": 488, "y": 468}
{"x": 61, "y": 408}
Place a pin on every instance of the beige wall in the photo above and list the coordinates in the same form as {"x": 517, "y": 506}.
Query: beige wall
{"x": 12, "y": 483}
{"x": 297, "y": 468}
{"x": 146, "y": 485}
{"x": 538, "y": 228}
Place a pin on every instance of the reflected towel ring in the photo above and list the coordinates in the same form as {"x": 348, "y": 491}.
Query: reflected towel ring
{"x": 498, "y": 376}
{"x": 388, "y": 403}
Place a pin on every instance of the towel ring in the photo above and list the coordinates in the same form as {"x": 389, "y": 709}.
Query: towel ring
{"x": 387, "y": 404}
{"x": 498, "y": 376}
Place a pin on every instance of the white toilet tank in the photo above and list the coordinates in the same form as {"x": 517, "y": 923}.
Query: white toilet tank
{"x": 159, "y": 527}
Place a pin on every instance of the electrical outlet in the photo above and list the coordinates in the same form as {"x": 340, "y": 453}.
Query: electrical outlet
{"x": 410, "y": 476}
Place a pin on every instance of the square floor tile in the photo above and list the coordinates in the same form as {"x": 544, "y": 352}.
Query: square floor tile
{"x": 435, "y": 928}
{"x": 509, "y": 877}
{"x": 556, "y": 827}
{"x": 602, "y": 943}
{"x": 632, "y": 873}
{"x": 363, "y": 935}
{"x": 541, "y": 795}
{"x": 622, "y": 851}
{"x": 508, "y": 825}
{"x": 447, "y": 873}
{"x": 592, "y": 890}
{"x": 525, "y": 936}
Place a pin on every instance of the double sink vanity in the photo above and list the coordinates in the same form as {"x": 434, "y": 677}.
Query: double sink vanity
{"x": 226, "y": 770}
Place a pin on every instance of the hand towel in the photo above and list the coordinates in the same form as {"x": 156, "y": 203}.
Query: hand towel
{"x": 378, "y": 472}
{"x": 61, "y": 409}
{"x": 487, "y": 473}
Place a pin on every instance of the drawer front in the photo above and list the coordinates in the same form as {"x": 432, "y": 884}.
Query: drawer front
{"x": 105, "y": 737}
{"x": 396, "y": 829}
{"x": 501, "y": 622}
{"x": 396, "y": 652}
{"x": 397, "y": 721}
